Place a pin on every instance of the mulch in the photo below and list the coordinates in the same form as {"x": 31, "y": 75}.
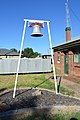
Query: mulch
{"x": 25, "y": 99}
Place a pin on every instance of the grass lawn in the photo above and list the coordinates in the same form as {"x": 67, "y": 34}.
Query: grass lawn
{"x": 26, "y": 80}
{"x": 78, "y": 82}
{"x": 66, "y": 116}
{"x": 31, "y": 80}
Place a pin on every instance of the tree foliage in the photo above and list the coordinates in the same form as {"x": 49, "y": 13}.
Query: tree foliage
{"x": 13, "y": 49}
{"x": 29, "y": 53}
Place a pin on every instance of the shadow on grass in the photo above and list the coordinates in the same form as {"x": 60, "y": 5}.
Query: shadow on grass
{"x": 51, "y": 77}
{"x": 33, "y": 87}
{"x": 3, "y": 89}
{"x": 73, "y": 119}
{"x": 42, "y": 82}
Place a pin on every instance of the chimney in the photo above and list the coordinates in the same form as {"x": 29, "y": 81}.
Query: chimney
{"x": 68, "y": 29}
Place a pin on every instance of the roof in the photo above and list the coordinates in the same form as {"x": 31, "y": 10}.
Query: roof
{"x": 4, "y": 51}
{"x": 46, "y": 55}
{"x": 75, "y": 42}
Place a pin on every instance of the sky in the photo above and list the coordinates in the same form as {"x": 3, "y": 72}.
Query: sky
{"x": 13, "y": 13}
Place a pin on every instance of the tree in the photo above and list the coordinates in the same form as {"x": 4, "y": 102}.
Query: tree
{"x": 29, "y": 53}
{"x": 35, "y": 54}
{"x": 13, "y": 50}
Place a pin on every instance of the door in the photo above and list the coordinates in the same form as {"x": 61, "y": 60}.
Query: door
{"x": 66, "y": 63}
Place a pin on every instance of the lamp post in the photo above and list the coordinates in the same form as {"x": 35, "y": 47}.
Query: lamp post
{"x": 23, "y": 35}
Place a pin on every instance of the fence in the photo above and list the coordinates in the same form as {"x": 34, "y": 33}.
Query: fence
{"x": 30, "y": 65}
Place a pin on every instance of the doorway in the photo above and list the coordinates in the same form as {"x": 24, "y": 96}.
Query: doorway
{"x": 66, "y": 63}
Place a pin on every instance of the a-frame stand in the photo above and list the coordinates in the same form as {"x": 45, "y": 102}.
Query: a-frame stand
{"x": 24, "y": 29}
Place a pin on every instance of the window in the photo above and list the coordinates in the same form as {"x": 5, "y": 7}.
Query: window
{"x": 77, "y": 57}
{"x": 59, "y": 58}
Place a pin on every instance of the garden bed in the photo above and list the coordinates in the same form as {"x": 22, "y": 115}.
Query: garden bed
{"x": 28, "y": 101}
{"x": 25, "y": 98}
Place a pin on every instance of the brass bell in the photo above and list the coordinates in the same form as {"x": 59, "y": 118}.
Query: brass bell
{"x": 36, "y": 30}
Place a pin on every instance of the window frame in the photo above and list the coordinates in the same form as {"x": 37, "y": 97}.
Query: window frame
{"x": 76, "y": 56}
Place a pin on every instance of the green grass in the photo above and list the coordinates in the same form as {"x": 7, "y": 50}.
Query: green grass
{"x": 78, "y": 82}
{"x": 31, "y": 80}
{"x": 35, "y": 80}
{"x": 66, "y": 92}
{"x": 25, "y": 80}
{"x": 64, "y": 116}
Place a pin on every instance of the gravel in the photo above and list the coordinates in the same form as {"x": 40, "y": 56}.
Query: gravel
{"x": 25, "y": 99}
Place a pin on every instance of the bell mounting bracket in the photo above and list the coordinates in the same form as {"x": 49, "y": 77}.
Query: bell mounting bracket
{"x": 36, "y": 23}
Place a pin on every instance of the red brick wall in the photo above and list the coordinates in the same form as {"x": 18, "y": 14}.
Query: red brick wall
{"x": 73, "y": 68}
{"x": 76, "y": 69}
{"x": 59, "y": 66}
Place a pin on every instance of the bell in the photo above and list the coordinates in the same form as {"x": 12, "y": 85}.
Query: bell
{"x": 36, "y": 31}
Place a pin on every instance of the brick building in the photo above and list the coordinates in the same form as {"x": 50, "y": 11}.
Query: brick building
{"x": 67, "y": 55}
